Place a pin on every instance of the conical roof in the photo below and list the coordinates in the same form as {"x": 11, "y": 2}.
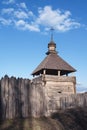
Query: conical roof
{"x": 52, "y": 63}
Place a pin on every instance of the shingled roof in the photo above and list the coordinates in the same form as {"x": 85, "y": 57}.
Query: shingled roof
{"x": 53, "y": 63}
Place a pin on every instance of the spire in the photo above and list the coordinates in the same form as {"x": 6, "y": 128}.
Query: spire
{"x": 51, "y": 44}
{"x": 52, "y": 29}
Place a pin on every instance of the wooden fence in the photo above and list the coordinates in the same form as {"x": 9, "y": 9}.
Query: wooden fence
{"x": 22, "y": 98}
{"x": 14, "y": 97}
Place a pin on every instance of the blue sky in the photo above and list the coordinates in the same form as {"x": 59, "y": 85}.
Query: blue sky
{"x": 24, "y": 35}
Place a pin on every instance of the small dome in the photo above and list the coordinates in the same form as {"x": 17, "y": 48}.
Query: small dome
{"x": 51, "y": 47}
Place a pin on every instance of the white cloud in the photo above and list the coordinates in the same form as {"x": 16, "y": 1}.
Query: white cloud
{"x": 7, "y": 11}
{"x": 21, "y": 24}
{"x": 30, "y": 13}
{"x": 81, "y": 88}
{"x": 23, "y": 5}
{"x": 8, "y": 1}
{"x": 5, "y": 21}
{"x": 55, "y": 18}
{"x": 20, "y": 14}
{"x": 23, "y": 18}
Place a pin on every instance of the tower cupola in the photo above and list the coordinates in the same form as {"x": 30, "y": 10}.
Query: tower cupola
{"x": 51, "y": 45}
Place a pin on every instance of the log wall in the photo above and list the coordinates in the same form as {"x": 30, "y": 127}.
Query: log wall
{"x": 14, "y": 97}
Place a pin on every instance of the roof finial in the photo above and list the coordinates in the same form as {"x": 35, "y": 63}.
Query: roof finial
{"x": 52, "y": 29}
